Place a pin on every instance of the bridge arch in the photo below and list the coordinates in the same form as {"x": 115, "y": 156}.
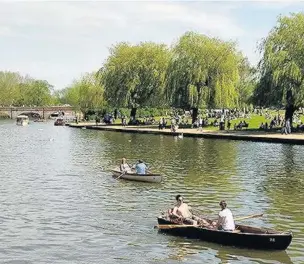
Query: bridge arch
{"x": 56, "y": 114}
{"x": 31, "y": 114}
{"x": 44, "y": 112}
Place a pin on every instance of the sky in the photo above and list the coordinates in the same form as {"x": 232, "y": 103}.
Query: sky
{"x": 59, "y": 41}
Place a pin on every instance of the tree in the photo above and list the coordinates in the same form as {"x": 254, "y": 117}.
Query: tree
{"x": 203, "y": 72}
{"x": 9, "y": 92}
{"x": 20, "y": 90}
{"x": 282, "y": 64}
{"x": 266, "y": 93}
{"x": 134, "y": 75}
{"x": 58, "y": 97}
{"x": 37, "y": 93}
{"x": 87, "y": 93}
{"x": 247, "y": 82}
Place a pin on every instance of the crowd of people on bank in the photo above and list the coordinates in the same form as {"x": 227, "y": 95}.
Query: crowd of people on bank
{"x": 221, "y": 118}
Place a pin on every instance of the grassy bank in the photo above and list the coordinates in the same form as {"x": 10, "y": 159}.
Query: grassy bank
{"x": 254, "y": 120}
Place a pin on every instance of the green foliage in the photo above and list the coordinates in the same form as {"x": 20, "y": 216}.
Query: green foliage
{"x": 247, "y": 83}
{"x": 9, "y": 87}
{"x": 142, "y": 112}
{"x": 86, "y": 93}
{"x": 145, "y": 112}
{"x": 35, "y": 92}
{"x": 135, "y": 75}
{"x": 203, "y": 71}
{"x": 282, "y": 65}
{"x": 18, "y": 90}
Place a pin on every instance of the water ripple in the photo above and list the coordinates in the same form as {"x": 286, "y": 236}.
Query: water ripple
{"x": 59, "y": 203}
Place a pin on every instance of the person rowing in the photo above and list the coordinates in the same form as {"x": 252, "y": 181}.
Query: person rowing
{"x": 124, "y": 166}
{"x": 182, "y": 212}
{"x": 141, "y": 167}
{"x": 225, "y": 218}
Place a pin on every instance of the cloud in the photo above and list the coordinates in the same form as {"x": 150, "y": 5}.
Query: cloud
{"x": 196, "y": 14}
{"x": 60, "y": 40}
{"x": 4, "y": 31}
{"x": 70, "y": 18}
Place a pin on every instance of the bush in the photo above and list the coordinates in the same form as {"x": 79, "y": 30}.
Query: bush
{"x": 4, "y": 116}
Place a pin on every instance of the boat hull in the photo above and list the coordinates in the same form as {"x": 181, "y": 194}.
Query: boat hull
{"x": 22, "y": 120}
{"x": 22, "y": 123}
{"x": 265, "y": 241}
{"x": 156, "y": 178}
{"x": 59, "y": 122}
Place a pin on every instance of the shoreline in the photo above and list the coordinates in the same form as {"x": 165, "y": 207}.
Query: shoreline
{"x": 256, "y": 136}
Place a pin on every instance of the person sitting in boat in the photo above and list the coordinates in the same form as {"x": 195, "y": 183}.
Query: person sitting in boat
{"x": 182, "y": 212}
{"x": 141, "y": 167}
{"x": 225, "y": 218}
{"x": 124, "y": 166}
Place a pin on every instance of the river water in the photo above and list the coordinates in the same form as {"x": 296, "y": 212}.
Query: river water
{"x": 59, "y": 204}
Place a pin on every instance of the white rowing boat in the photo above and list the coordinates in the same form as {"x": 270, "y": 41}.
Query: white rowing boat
{"x": 22, "y": 120}
{"x": 149, "y": 177}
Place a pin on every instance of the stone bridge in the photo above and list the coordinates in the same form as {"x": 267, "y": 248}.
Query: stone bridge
{"x": 42, "y": 112}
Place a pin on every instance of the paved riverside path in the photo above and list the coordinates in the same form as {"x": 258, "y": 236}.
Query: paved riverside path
{"x": 259, "y": 136}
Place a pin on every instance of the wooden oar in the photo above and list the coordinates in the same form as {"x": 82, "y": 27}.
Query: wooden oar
{"x": 244, "y": 217}
{"x": 173, "y": 226}
{"x": 179, "y": 226}
{"x": 248, "y": 217}
{"x": 121, "y": 175}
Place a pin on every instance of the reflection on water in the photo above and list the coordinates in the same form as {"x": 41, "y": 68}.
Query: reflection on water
{"x": 184, "y": 250}
{"x": 59, "y": 203}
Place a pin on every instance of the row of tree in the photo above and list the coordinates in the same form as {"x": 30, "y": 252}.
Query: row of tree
{"x": 195, "y": 72}
{"x": 85, "y": 94}
{"x": 17, "y": 90}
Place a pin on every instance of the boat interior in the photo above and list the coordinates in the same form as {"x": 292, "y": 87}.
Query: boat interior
{"x": 244, "y": 229}
{"x": 255, "y": 230}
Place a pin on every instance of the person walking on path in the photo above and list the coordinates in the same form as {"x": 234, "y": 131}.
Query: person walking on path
{"x": 200, "y": 124}
{"x": 288, "y": 128}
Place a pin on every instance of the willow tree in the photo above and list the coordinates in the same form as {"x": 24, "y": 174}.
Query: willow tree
{"x": 203, "y": 71}
{"x": 20, "y": 90}
{"x": 134, "y": 75}
{"x": 9, "y": 87}
{"x": 247, "y": 82}
{"x": 35, "y": 92}
{"x": 86, "y": 94}
{"x": 283, "y": 62}
{"x": 266, "y": 92}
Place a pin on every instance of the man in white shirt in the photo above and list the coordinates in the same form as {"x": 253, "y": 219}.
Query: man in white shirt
{"x": 225, "y": 219}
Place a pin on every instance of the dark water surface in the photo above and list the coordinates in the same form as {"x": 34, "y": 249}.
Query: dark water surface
{"x": 59, "y": 204}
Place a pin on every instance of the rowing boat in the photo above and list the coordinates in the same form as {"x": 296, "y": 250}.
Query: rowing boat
{"x": 242, "y": 236}
{"x": 149, "y": 177}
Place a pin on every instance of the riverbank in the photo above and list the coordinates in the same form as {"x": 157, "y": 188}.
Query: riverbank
{"x": 257, "y": 136}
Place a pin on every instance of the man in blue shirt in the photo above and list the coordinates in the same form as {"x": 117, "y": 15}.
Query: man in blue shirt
{"x": 141, "y": 167}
